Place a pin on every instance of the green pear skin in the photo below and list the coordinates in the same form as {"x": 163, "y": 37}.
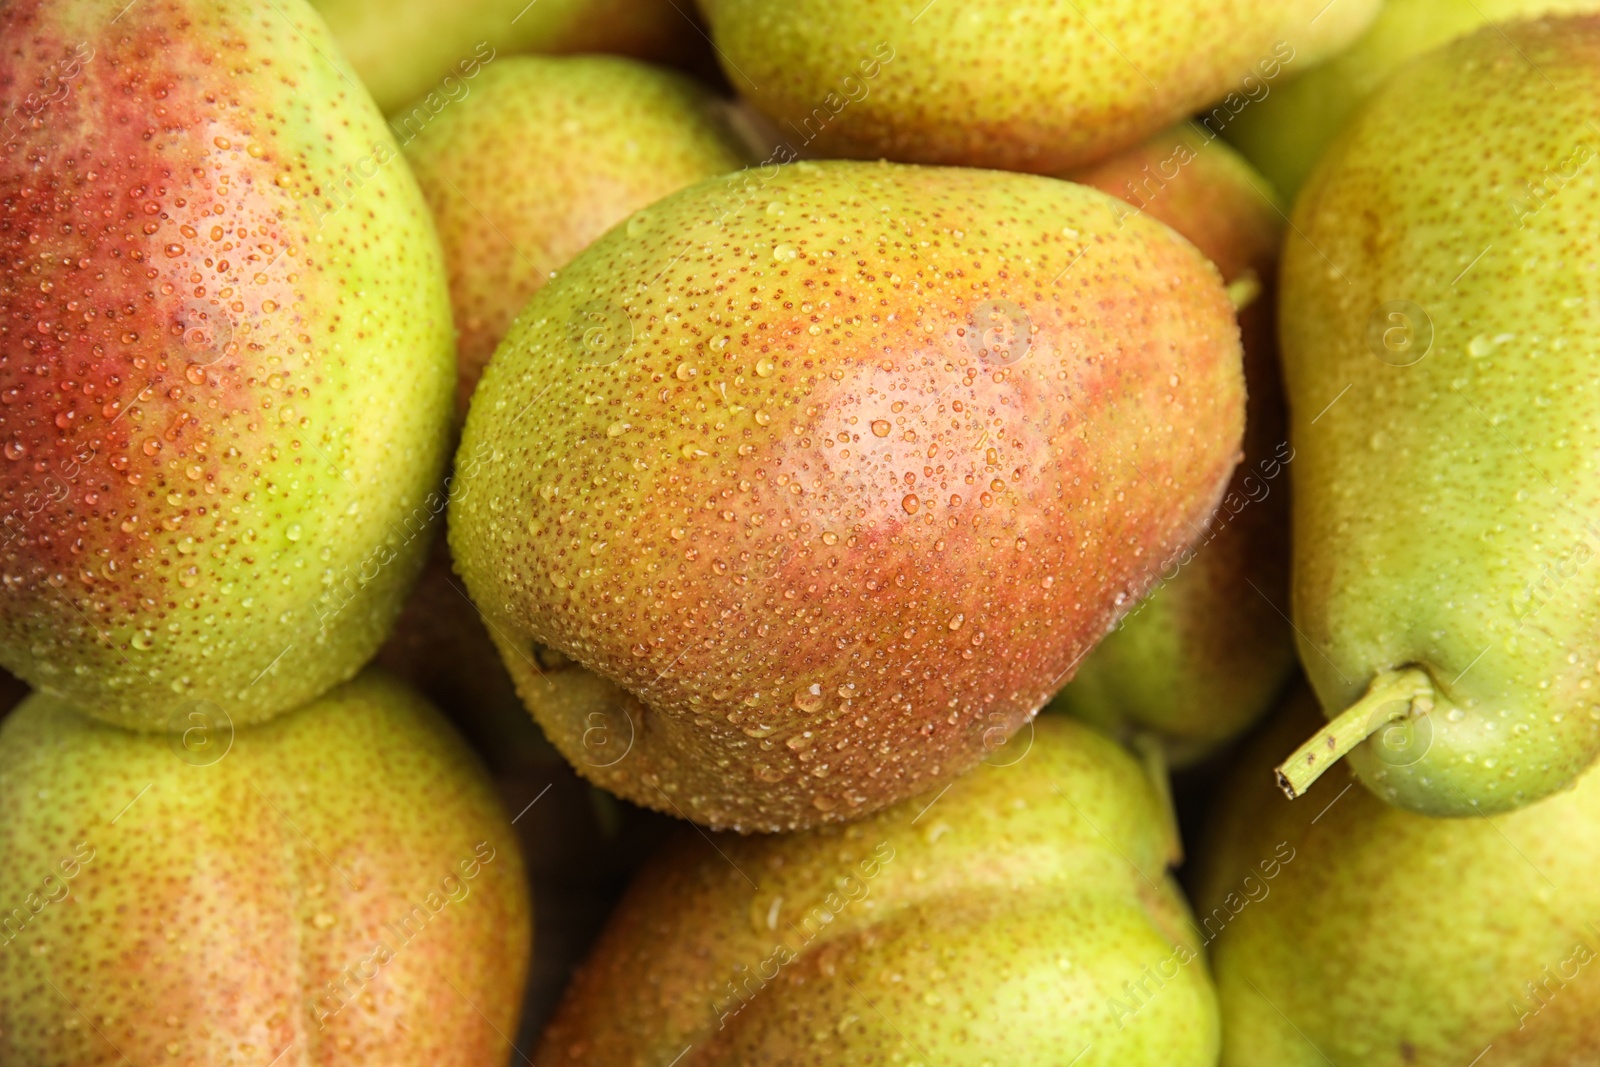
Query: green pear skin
{"x": 1035, "y": 85}
{"x": 1022, "y": 916}
{"x": 1208, "y": 652}
{"x": 225, "y": 360}
{"x": 875, "y": 453}
{"x": 336, "y": 887}
{"x": 403, "y": 48}
{"x": 1286, "y": 132}
{"x": 1435, "y": 341}
{"x": 1344, "y": 930}
{"x": 590, "y": 139}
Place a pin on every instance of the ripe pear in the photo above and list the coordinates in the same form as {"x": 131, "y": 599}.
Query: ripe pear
{"x": 1209, "y": 651}
{"x": 1024, "y": 915}
{"x": 403, "y": 48}
{"x": 224, "y": 390}
{"x": 1435, "y": 331}
{"x": 1286, "y": 131}
{"x": 591, "y": 139}
{"x": 1036, "y": 85}
{"x": 1344, "y": 930}
{"x": 875, "y": 455}
{"x": 338, "y": 886}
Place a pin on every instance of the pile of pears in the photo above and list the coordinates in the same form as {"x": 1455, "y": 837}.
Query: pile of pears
{"x": 613, "y": 533}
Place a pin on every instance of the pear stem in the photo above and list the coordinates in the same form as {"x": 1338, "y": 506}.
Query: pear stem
{"x": 1392, "y": 695}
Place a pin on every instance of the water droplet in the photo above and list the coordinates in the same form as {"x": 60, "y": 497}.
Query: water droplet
{"x": 144, "y": 641}
{"x": 15, "y": 449}
{"x": 956, "y": 623}
{"x": 638, "y": 223}
{"x": 880, "y": 427}
{"x": 830, "y": 538}
{"x": 765, "y": 367}
{"x": 910, "y": 503}
{"x": 293, "y": 532}
{"x": 768, "y": 773}
{"x": 685, "y": 372}
{"x": 174, "y": 251}
{"x": 785, "y": 253}
{"x": 808, "y": 699}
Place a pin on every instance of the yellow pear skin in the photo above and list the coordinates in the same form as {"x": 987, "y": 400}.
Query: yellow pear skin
{"x": 1436, "y": 333}
{"x": 1032, "y": 85}
{"x": 878, "y": 453}
{"x": 336, "y": 887}
{"x": 590, "y": 139}
{"x": 1344, "y": 930}
{"x": 1286, "y": 132}
{"x": 1022, "y": 916}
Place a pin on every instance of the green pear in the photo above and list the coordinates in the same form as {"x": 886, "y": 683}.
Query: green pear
{"x": 1023, "y": 915}
{"x": 591, "y": 140}
{"x": 1207, "y": 653}
{"x": 224, "y": 391}
{"x": 335, "y": 887}
{"x": 1286, "y": 132}
{"x": 402, "y": 48}
{"x": 1435, "y": 332}
{"x": 1033, "y": 85}
{"x": 1343, "y": 930}
{"x": 874, "y": 454}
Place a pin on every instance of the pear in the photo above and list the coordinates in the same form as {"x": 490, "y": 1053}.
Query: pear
{"x": 876, "y": 454}
{"x": 1035, "y": 85}
{"x": 1209, "y": 651}
{"x": 591, "y": 139}
{"x": 403, "y": 48}
{"x": 1344, "y": 930}
{"x": 338, "y": 886}
{"x": 226, "y": 395}
{"x": 1435, "y": 331}
{"x": 1023, "y": 915}
{"x": 1286, "y": 131}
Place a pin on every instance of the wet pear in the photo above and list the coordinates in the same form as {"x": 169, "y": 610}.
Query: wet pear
{"x": 403, "y": 48}
{"x": 1024, "y": 916}
{"x": 591, "y": 139}
{"x": 225, "y": 360}
{"x": 1343, "y": 930}
{"x": 1436, "y": 337}
{"x": 879, "y": 453}
{"x": 336, "y": 887}
{"x": 1208, "y": 651}
{"x": 1036, "y": 85}
{"x": 1288, "y": 130}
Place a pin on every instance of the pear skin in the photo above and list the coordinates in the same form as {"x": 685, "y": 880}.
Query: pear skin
{"x": 226, "y": 390}
{"x": 1435, "y": 337}
{"x": 953, "y": 424}
{"x": 1208, "y": 652}
{"x": 591, "y": 140}
{"x": 403, "y": 48}
{"x": 336, "y": 887}
{"x": 1286, "y": 132}
{"x": 1344, "y": 930}
{"x": 1024, "y": 915}
{"x": 1032, "y": 85}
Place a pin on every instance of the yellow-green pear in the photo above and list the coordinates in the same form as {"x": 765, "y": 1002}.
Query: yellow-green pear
{"x": 1346, "y": 931}
{"x": 1436, "y": 331}
{"x": 546, "y": 154}
{"x": 1286, "y": 131}
{"x": 1023, "y": 915}
{"x": 1033, "y": 85}
{"x": 334, "y": 888}
{"x": 403, "y": 48}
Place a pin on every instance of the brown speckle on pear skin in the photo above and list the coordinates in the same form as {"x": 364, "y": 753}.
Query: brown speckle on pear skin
{"x": 807, "y": 619}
